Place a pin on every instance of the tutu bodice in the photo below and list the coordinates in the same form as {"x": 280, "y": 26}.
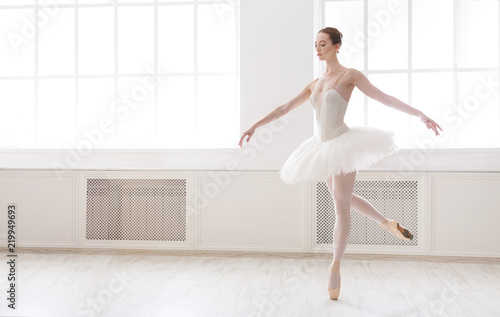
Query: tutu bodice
{"x": 335, "y": 148}
{"x": 329, "y": 109}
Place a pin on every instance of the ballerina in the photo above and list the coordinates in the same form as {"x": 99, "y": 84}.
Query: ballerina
{"x": 336, "y": 151}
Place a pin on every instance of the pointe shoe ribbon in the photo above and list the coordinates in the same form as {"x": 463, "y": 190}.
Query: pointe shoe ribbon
{"x": 393, "y": 227}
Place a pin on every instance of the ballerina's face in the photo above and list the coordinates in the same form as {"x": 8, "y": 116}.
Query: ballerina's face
{"x": 324, "y": 47}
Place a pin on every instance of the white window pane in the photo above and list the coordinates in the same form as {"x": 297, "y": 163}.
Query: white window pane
{"x": 355, "y": 114}
{"x": 16, "y": 2}
{"x": 95, "y": 1}
{"x": 216, "y": 40}
{"x": 17, "y": 120}
{"x": 52, "y": 5}
{"x": 387, "y": 34}
{"x": 478, "y": 33}
{"x": 96, "y": 41}
{"x": 96, "y": 112}
{"x": 227, "y": 8}
{"x": 216, "y": 112}
{"x": 347, "y": 17}
{"x": 135, "y": 117}
{"x": 135, "y": 39}
{"x": 432, "y": 93}
{"x": 387, "y": 118}
{"x": 478, "y": 110}
{"x": 56, "y": 45}
{"x": 135, "y": 1}
{"x": 56, "y": 113}
{"x": 17, "y": 42}
{"x": 432, "y": 33}
{"x": 176, "y": 49}
{"x": 176, "y": 112}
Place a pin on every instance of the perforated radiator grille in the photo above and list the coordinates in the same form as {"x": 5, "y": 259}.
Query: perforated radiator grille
{"x": 136, "y": 209}
{"x": 394, "y": 199}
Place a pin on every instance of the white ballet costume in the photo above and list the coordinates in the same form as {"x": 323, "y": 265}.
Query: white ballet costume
{"x": 335, "y": 148}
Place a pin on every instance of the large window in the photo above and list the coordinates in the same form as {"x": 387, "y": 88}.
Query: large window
{"x": 441, "y": 57}
{"x": 150, "y": 74}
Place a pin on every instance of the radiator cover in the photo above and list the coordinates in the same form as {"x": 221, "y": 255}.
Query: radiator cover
{"x": 394, "y": 199}
{"x": 136, "y": 209}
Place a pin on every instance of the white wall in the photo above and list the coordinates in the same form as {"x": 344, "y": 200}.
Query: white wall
{"x": 46, "y": 208}
{"x": 254, "y": 211}
{"x": 466, "y": 213}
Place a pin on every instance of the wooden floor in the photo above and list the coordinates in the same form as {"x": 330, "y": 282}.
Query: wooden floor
{"x": 65, "y": 284}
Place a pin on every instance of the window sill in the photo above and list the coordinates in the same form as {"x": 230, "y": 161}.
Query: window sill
{"x": 477, "y": 159}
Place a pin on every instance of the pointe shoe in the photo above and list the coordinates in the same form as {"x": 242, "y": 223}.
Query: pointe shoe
{"x": 334, "y": 292}
{"x": 393, "y": 227}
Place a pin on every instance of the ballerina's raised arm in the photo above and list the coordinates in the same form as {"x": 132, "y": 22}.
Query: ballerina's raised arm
{"x": 359, "y": 80}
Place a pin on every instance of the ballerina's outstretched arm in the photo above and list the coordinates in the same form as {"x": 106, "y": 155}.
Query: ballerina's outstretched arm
{"x": 359, "y": 80}
{"x": 280, "y": 111}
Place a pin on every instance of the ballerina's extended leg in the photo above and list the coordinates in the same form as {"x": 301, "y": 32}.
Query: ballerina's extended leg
{"x": 364, "y": 207}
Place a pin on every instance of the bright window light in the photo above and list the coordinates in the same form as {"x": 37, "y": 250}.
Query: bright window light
{"x": 441, "y": 57}
{"x": 124, "y": 74}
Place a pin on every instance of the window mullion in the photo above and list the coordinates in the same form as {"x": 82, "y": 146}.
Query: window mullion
{"x": 365, "y": 57}
{"x": 236, "y": 74}
{"x": 116, "y": 63}
{"x": 76, "y": 75}
{"x": 195, "y": 77}
{"x": 410, "y": 64}
{"x": 156, "y": 67}
{"x": 36, "y": 112}
{"x": 455, "y": 62}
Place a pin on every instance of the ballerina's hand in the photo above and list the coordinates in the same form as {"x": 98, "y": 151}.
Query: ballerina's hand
{"x": 248, "y": 132}
{"x": 431, "y": 124}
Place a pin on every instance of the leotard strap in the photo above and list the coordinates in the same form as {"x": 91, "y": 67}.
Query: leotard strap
{"x": 338, "y": 79}
{"x": 314, "y": 85}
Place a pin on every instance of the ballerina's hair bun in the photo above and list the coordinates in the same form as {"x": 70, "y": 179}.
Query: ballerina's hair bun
{"x": 335, "y": 35}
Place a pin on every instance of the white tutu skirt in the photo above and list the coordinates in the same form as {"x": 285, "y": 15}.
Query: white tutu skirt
{"x": 356, "y": 149}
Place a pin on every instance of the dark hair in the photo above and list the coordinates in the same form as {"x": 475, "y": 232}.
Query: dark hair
{"x": 335, "y": 35}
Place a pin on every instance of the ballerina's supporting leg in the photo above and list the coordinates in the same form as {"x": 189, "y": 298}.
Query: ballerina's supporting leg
{"x": 342, "y": 194}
